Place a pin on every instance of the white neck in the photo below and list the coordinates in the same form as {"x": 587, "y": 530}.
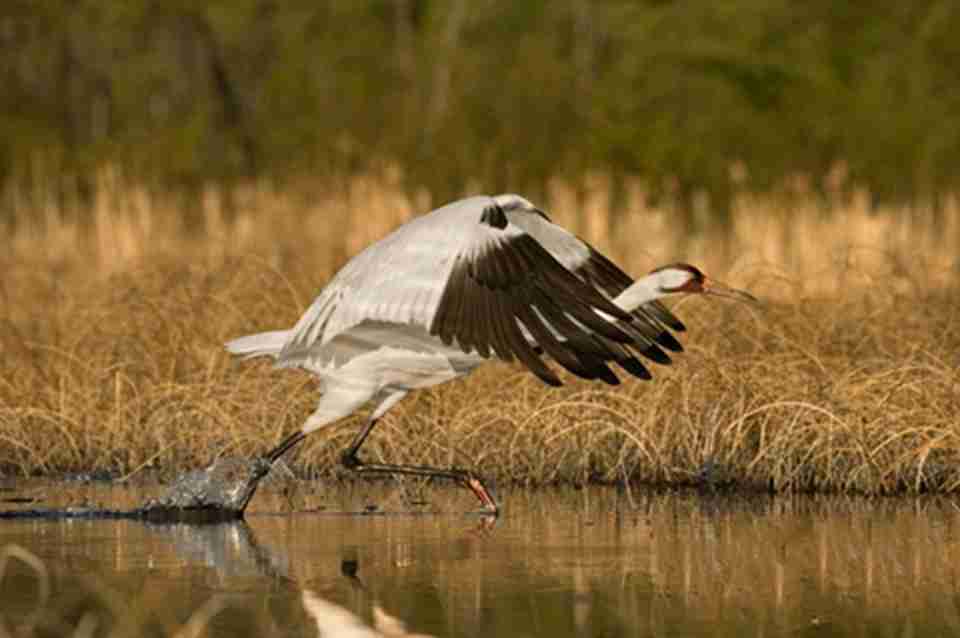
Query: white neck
{"x": 643, "y": 290}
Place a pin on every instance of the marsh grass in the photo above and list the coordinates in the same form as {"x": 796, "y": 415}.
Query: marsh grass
{"x": 845, "y": 380}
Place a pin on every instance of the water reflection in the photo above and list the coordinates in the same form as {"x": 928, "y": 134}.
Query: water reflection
{"x": 230, "y": 548}
{"x": 335, "y": 621}
{"x": 567, "y": 564}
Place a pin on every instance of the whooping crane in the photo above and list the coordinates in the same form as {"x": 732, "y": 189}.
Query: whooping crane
{"x": 480, "y": 278}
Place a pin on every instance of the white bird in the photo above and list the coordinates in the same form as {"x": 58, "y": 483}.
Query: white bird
{"x": 479, "y": 278}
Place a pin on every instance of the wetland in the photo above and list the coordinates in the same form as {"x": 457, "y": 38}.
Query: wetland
{"x": 589, "y": 562}
{"x": 793, "y": 472}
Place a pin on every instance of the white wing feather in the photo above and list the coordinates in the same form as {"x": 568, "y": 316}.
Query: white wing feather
{"x": 399, "y": 279}
{"x": 565, "y": 247}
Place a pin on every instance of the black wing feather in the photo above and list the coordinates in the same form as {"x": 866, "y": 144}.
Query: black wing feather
{"x": 513, "y": 281}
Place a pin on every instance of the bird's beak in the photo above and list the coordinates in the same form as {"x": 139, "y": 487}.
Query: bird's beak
{"x": 714, "y": 287}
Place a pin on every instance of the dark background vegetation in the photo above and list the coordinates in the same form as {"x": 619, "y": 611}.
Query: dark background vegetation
{"x": 503, "y": 95}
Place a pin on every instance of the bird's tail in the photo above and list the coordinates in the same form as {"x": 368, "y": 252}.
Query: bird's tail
{"x": 260, "y": 344}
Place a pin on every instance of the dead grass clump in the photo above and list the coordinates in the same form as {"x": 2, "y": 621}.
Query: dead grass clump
{"x": 846, "y": 380}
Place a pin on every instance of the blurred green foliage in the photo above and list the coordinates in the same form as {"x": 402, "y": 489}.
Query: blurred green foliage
{"x": 503, "y": 95}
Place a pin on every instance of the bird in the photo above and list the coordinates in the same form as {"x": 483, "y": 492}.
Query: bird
{"x": 481, "y": 278}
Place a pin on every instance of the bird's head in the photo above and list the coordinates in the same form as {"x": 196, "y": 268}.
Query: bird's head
{"x": 683, "y": 278}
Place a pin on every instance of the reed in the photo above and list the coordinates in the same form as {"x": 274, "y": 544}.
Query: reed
{"x": 845, "y": 380}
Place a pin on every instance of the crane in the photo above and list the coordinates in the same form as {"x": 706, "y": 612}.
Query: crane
{"x": 479, "y": 278}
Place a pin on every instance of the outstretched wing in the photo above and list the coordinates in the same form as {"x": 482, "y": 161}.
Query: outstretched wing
{"x": 470, "y": 276}
{"x": 507, "y": 295}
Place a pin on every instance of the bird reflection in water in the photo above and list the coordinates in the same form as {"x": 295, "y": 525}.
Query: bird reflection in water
{"x": 338, "y": 622}
{"x": 233, "y": 549}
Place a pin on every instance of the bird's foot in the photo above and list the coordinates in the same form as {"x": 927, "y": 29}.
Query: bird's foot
{"x": 350, "y": 461}
{"x": 476, "y": 485}
{"x": 261, "y": 467}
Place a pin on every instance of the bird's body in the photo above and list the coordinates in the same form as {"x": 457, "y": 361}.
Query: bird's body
{"x": 481, "y": 278}
{"x": 368, "y": 361}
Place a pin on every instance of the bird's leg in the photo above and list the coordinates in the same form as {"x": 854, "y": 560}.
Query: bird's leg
{"x": 263, "y": 464}
{"x": 349, "y": 458}
{"x": 465, "y": 478}
{"x": 285, "y": 445}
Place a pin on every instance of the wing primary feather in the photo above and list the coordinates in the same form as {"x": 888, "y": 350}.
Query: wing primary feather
{"x": 651, "y": 330}
{"x": 587, "y": 317}
{"x": 669, "y": 342}
{"x": 606, "y": 275}
{"x": 634, "y": 367}
{"x": 551, "y": 345}
{"x": 514, "y": 266}
{"x": 654, "y": 353}
{"x": 562, "y": 280}
{"x": 588, "y": 299}
{"x": 466, "y": 318}
{"x": 480, "y": 328}
{"x": 445, "y": 319}
{"x": 500, "y": 339}
{"x": 507, "y": 282}
{"x": 646, "y": 345}
{"x": 658, "y": 310}
{"x": 527, "y": 354}
{"x": 581, "y": 353}
{"x": 461, "y": 319}
{"x": 574, "y": 334}
{"x": 480, "y": 316}
{"x": 598, "y": 368}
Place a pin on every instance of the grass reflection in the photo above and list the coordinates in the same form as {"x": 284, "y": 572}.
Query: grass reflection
{"x": 564, "y": 563}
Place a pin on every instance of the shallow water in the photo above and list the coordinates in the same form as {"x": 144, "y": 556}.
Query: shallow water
{"x": 594, "y": 562}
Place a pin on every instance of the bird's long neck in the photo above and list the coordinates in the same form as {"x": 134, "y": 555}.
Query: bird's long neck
{"x": 640, "y": 292}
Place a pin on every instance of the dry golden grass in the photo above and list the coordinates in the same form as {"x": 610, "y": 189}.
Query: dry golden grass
{"x": 846, "y": 379}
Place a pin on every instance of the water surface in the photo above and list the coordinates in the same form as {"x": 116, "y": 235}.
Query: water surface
{"x": 594, "y": 562}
